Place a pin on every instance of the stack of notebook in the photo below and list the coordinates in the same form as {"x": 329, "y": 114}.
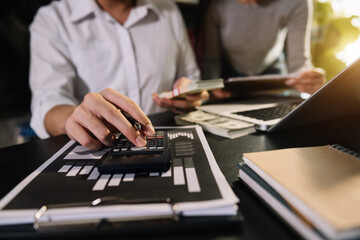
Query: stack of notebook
{"x": 315, "y": 189}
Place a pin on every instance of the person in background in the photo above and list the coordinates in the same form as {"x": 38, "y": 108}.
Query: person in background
{"x": 92, "y": 60}
{"x": 248, "y": 37}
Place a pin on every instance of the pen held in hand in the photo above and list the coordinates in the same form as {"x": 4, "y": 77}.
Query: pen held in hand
{"x": 133, "y": 122}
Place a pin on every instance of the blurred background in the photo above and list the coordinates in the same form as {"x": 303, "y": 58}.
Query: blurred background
{"x": 335, "y": 43}
{"x": 335, "y": 34}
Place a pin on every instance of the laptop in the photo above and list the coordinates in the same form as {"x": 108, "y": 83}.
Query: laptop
{"x": 262, "y": 112}
{"x": 340, "y": 97}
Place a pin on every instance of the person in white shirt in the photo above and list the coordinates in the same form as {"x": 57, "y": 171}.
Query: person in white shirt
{"x": 93, "y": 59}
{"x": 247, "y": 37}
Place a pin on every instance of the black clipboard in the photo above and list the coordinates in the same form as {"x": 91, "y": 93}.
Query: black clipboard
{"x": 164, "y": 227}
{"x": 53, "y": 210}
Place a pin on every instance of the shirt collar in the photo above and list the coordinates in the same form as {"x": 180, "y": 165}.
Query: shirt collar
{"x": 150, "y": 5}
{"x": 140, "y": 11}
{"x": 83, "y": 8}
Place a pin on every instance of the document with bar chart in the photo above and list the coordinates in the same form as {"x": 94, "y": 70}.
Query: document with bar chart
{"x": 67, "y": 185}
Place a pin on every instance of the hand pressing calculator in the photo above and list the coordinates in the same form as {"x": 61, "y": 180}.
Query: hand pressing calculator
{"x": 125, "y": 157}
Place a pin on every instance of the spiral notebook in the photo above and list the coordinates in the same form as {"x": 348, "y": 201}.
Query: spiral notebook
{"x": 322, "y": 183}
{"x": 282, "y": 207}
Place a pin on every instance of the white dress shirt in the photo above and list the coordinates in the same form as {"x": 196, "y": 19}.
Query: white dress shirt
{"x": 78, "y": 48}
{"x": 252, "y": 37}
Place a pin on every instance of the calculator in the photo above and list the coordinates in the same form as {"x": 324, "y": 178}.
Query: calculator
{"x": 125, "y": 157}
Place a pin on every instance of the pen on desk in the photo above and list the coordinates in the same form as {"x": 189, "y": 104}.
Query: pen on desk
{"x": 133, "y": 122}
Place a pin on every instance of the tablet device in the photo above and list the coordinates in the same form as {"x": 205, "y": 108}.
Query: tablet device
{"x": 250, "y": 85}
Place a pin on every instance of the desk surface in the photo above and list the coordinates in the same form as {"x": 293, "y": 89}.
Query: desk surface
{"x": 260, "y": 222}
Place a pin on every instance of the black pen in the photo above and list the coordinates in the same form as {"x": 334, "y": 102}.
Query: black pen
{"x": 133, "y": 122}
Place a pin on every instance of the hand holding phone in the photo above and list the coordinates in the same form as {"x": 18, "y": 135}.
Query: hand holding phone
{"x": 193, "y": 87}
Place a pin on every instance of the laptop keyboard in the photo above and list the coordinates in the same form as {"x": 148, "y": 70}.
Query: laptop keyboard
{"x": 271, "y": 113}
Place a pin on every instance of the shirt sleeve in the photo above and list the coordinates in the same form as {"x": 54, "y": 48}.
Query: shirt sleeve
{"x": 211, "y": 52}
{"x": 298, "y": 53}
{"x": 51, "y": 71}
{"x": 187, "y": 66}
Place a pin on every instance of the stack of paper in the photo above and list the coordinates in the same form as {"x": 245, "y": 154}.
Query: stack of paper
{"x": 315, "y": 189}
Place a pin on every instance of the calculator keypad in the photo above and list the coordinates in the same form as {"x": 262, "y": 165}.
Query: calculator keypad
{"x": 154, "y": 144}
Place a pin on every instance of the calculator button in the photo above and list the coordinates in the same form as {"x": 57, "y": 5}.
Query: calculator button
{"x": 155, "y": 145}
{"x": 158, "y": 133}
{"x": 135, "y": 148}
{"x": 151, "y": 143}
{"x": 151, "y": 136}
{"x": 160, "y": 142}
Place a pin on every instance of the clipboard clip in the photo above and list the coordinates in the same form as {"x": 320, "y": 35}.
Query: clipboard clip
{"x": 38, "y": 225}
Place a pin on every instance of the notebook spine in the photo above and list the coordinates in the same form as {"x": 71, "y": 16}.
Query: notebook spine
{"x": 345, "y": 150}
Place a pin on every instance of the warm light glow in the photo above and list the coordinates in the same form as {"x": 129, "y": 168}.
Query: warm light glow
{"x": 350, "y": 53}
{"x": 348, "y": 8}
